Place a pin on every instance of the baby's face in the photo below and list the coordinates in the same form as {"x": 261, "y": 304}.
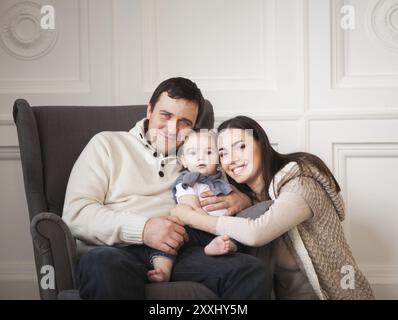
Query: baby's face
{"x": 200, "y": 153}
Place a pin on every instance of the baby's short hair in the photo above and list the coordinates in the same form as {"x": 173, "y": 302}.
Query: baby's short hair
{"x": 210, "y": 132}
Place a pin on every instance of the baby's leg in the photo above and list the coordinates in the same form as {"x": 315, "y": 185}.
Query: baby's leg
{"x": 162, "y": 267}
{"x": 220, "y": 245}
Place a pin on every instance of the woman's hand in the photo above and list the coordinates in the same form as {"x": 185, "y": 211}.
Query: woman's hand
{"x": 234, "y": 202}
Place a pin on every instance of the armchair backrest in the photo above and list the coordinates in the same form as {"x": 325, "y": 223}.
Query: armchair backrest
{"x": 52, "y": 137}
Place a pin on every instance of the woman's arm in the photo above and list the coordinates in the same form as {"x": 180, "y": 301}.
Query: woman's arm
{"x": 288, "y": 210}
{"x": 192, "y": 201}
{"x": 195, "y": 218}
{"x": 191, "y": 213}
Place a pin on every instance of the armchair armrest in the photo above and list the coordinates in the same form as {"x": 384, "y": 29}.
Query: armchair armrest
{"x": 55, "y": 247}
{"x": 256, "y": 210}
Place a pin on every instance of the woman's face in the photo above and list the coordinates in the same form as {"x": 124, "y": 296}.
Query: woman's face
{"x": 240, "y": 155}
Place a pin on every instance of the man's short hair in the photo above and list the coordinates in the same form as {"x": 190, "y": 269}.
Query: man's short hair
{"x": 179, "y": 88}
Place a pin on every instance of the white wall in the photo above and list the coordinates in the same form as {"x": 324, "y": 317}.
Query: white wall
{"x": 312, "y": 85}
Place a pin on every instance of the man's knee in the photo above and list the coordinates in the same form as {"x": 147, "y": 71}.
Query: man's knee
{"x": 252, "y": 276}
{"x": 106, "y": 261}
{"x": 254, "y": 266}
{"x": 243, "y": 261}
{"x": 100, "y": 258}
{"x": 111, "y": 273}
{"x": 236, "y": 276}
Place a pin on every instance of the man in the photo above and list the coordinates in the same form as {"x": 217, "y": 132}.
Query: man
{"x": 119, "y": 197}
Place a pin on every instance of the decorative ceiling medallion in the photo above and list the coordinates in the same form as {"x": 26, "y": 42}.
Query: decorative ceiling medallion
{"x": 21, "y": 34}
{"x": 383, "y": 22}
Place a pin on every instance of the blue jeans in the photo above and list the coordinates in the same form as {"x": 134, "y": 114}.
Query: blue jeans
{"x": 196, "y": 237}
{"x": 120, "y": 273}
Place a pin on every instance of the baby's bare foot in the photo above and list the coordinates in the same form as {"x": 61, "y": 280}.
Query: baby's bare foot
{"x": 158, "y": 275}
{"x": 219, "y": 246}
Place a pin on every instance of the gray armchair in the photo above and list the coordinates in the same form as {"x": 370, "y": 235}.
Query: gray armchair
{"x": 50, "y": 140}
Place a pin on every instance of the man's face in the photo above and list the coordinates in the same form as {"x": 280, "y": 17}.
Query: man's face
{"x": 169, "y": 122}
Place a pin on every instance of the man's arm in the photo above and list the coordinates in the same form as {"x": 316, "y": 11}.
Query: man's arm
{"x": 165, "y": 233}
{"x": 92, "y": 221}
{"x": 84, "y": 210}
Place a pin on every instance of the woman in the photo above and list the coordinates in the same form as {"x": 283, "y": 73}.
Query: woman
{"x": 304, "y": 220}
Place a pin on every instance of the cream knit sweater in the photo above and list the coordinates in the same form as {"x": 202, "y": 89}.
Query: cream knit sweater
{"x": 115, "y": 186}
{"x": 307, "y": 211}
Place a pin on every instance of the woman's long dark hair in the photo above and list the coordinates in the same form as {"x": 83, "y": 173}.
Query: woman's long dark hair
{"x": 271, "y": 160}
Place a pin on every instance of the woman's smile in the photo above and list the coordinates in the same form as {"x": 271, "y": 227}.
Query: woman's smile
{"x": 237, "y": 170}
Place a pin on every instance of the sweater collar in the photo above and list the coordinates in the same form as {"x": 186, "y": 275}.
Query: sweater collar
{"x": 139, "y": 132}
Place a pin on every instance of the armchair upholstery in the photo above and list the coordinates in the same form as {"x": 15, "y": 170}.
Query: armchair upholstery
{"x": 50, "y": 140}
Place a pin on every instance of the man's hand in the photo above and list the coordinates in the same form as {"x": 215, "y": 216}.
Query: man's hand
{"x": 165, "y": 233}
{"x": 234, "y": 202}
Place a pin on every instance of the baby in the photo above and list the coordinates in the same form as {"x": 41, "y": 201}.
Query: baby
{"x": 200, "y": 159}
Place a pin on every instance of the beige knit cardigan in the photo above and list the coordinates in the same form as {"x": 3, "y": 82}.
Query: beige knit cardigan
{"x": 319, "y": 242}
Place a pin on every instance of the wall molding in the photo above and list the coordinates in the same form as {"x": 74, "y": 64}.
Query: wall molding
{"x": 335, "y": 114}
{"x": 79, "y": 85}
{"x": 116, "y": 53}
{"x": 341, "y": 152}
{"x": 17, "y": 270}
{"x": 285, "y": 115}
{"x": 380, "y": 25}
{"x": 340, "y": 48}
{"x": 10, "y": 153}
{"x": 23, "y": 275}
{"x": 315, "y": 115}
{"x": 150, "y": 54}
{"x": 18, "y": 280}
{"x": 219, "y": 117}
{"x": 25, "y": 46}
{"x": 383, "y": 279}
{"x": 380, "y": 274}
{"x": 6, "y": 120}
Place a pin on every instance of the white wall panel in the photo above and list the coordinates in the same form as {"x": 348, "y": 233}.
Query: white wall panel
{"x": 197, "y": 43}
{"x": 363, "y": 156}
{"x": 353, "y": 71}
{"x": 22, "y": 70}
{"x": 371, "y": 211}
{"x": 324, "y": 134}
{"x": 76, "y": 69}
{"x": 242, "y": 54}
{"x": 71, "y": 65}
{"x": 285, "y": 135}
{"x": 17, "y": 273}
{"x": 371, "y": 203}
